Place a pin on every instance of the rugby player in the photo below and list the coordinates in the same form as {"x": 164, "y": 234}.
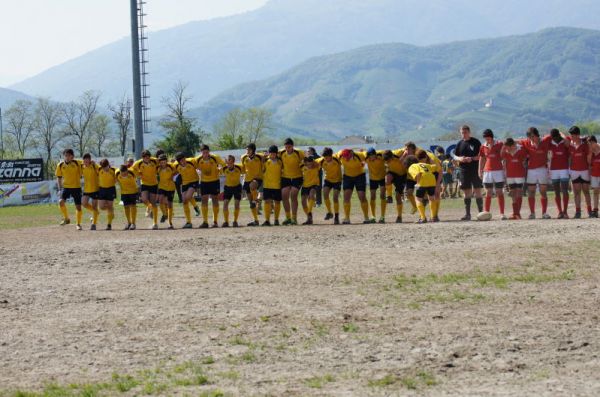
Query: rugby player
{"x": 291, "y": 181}
{"x": 90, "y": 188}
{"x": 396, "y": 177}
{"x": 467, "y": 154}
{"x": 107, "y": 193}
{"x": 129, "y": 191}
{"x": 210, "y": 186}
{"x": 514, "y": 157}
{"x": 68, "y": 175}
{"x": 447, "y": 177}
{"x": 537, "y": 169}
{"x": 166, "y": 187}
{"x": 252, "y": 164}
{"x": 354, "y": 177}
{"x": 376, "y": 166}
{"x": 579, "y": 170}
{"x": 233, "y": 189}
{"x": 332, "y": 167}
{"x": 272, "y": 174}
{"x": 559, "y": 172}
{"x": 423, "y": 171}
{"x": 146, "y": 170}
{"x": 186, "y": 167}
{"x": 594, "y": 160}
{"x": 310, "y": 183}
{"x": 410, "y": 149}
{"x": 491, "y": 170}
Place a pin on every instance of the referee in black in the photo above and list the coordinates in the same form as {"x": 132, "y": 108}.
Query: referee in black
{"x": 467, "y": 154}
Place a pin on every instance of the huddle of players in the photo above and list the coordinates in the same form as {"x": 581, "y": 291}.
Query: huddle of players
{"x": 534, "y": 162}
{"x": 282, "y": 175}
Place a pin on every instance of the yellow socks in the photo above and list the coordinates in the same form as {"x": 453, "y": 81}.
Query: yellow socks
{"x": 127, "y": 210}
{"x": 205, "y": 213}
{"x": 64, "y": 212}
{"x": 110, "y": 215}
{"x": 170, "y": 214}
{"x": 193, "y": 202}
{"x": 215, "y": 213}
{"x": 328, "y": 205}
{"x": 347, "y": 207}
{"x": 277, "y": 209}
{"x": 226, "y": 215}
{"x": 305, "y": 209}
{"x": 95, "y": 215}
{"x": 311, "y": 205}
{"x": 254, "y": 213}
{"x": 236, "y": 214}
{"x": 268, "y": 211}
{"x": 435, "y": 208}
{"x": 133, "y": 213}
{"x": 373, "y": 204}
{"x": 163, "y": 209}
{"x": 364, "y": 206}
{"x": 187, "y": 212}
{"x": 79, "y": 215}
{"x": 383, "y": 202}
{"x": 413, "y": 201}
{"x": 399, "y": 209}
{"x": 288, "y": 215}
{"x": 154, "y": 213}
{"x": 336, "y": 207}
{"x": 421, "y": 209}
{"x": 388, "y": 190}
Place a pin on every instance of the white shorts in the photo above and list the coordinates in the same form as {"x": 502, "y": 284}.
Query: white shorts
{"x": 585, "y": 175}
{"x": 596, "y": 182}
{"x": 537, "y": 176}
{"x": 515, "y": 181}
{"x": 560, "y": 175}
{"x": 493, "y": 177}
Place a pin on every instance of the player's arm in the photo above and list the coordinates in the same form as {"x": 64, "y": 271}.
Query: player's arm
{"x": 482, "y": 160}
{"x": 59, "y": 176}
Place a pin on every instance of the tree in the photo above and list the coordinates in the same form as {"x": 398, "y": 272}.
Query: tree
{"x": 20, "y": 124}
{"x": 182, "y": 134}
{"x": 121, "y": 114}
{"x": 101, "y": 134}
{"x": 590, "y": 128}
{"x": 47, "y": 123}
{"x": 78, "y": 117}
{"x": 258, "y": 123}
{"x": 240, "y": 127}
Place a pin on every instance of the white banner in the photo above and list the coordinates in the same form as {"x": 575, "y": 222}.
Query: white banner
{"x": 28, "y": 193}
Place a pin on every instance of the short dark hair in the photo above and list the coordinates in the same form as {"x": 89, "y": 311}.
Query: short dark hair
{"x": 288, "y": 141}
{"x": 465, "y": 127}
{"x": 488, "y": 133}
{"x": 123, "y": 168}
{"x": 387, "y": 155}
{"x": 87, "y": 156}
{"x": 309, "y": 159}
{"x": 146, "y": 153}
{"x": 104, "y": 163}
{"x": 69, "y": 151}
{"x": 312, "y": 150}
{"x": 251, "y": 146}
{"x": 574, "y": 130}
{"x": 162, "y": 157}
{"x": 421, "y": 154}
{"x": 532, "y": 131}
{"x": 327, "y": 152}
{"x": 593, "y": 139}
{"x": 231, "y": 157}
{"x": 159, "y": 152}
{"x": 410, "y": 145}
{"x": 410, "y": 160}
{"x": 273, "y": 149}
{"x": 555, "y": 134}
{"x": 509, "y": 142}
{"x": 204, "y": 147}
{"x": 179, "y": 156}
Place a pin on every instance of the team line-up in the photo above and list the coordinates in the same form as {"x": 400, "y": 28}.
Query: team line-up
{"x": 279, "y": 176}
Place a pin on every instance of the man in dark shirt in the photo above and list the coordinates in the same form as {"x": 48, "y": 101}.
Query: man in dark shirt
{"x": 467, "y": 154}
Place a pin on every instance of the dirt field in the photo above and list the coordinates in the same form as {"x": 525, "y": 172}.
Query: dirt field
{"x": 496, "y": 308}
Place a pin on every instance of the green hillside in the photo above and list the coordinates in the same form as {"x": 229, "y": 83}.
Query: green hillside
{"x": 398, "y": 91}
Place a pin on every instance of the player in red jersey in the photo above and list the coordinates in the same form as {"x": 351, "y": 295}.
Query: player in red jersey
{"x": 514, "y": 157}
{"x": 594, "y": 160}
{"x": 537, "y": 170}
{"x": 559, "y": 171}
{"x": 579, "y": 170}
{"x": 491, "y": 171}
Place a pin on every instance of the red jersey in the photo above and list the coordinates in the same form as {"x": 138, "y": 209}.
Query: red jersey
{"x": 538, "y": 154}
{"x": 596, "y": 165}
{"x": 579, "y": 156}
{"x": 560, "y": 155}
{"x": 515, "y": 163}
{"x": 493, "y": 156}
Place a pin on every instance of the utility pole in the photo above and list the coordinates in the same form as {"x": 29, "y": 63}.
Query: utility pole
{"x": 137, "y": 85}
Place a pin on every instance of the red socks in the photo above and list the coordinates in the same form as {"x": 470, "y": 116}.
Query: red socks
{"x": 501, "y": 203}
{"x": 488, "y": 203}
{"x": 544, "y": 204}
{"x": 531, "y": 204}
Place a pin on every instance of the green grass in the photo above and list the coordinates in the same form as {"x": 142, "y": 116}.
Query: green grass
{"x": 350, "y": 327}
{"x": 421, "y": 379}
{"x": 319, "y": 381}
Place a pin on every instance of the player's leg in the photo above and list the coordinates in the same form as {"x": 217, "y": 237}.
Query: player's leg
{"x": 577, "y": 187}
{"x": 79, "y": 210}
{"x": 489, "y": 193}
{"x": 204, "y": 209}
{"x": 364, "y": 205}
{"x": 154, "y": 209}
{"x": 110, "y": 214}
{"x": 294, "y": 192}
{"x": 187, "y": 196}
{"x": 564, "y": 187}
{"x": 226, "y": 199}
{"x": 254, "y": 201}
{"x": 373, "y": 200}
{"x": 214, "y": 198}
{"x": 236, "y": 209}
{"x": 557, "y": 196}
{"x": 62, "y": 206}
{"x": 336, "y": 206}
{"x": 544, "y": 201}
{"x": 327, "y": 201}
{"x": 468, "y": 194}
{"x": 285, "y": 196}
{"x": 268, "y": 206}
{"x": 420, "y": 196}
{"x": 347, "y": 204}
{"x": 596, "y": 189}
{"x": 531, "y": 190}
{"x": 499, "y": 186}
{"x": 585, "y": 188}
{"x": 382, "y": 202}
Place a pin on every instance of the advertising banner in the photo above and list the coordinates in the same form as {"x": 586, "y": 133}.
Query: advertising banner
{"x": 24, "y": 170}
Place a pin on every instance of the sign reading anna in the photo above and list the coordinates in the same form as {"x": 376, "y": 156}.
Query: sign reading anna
{"x": 26, "y": 170}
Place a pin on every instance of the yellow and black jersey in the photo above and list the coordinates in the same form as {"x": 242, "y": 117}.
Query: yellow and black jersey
{"x": 233, "y": 176}
{"x": 292, "y": 163}
{"x": 376, "y": 166}
{"x": 332, "y": 169}
{"x": 188, "y": 172}
{"x": 165, "y": 178}
{"x": 209, "y": 168}
{"x": 355, "y": 166}
{"x": 127, "y": 181}
{"x": 423, "y": 174}
{"x": 90, "y": 177}
{"x": 253, "y": 166}
{"x": 311, "y": 175}
{"x": 107, "y": 177}
{"x": 146, "y": 171}
{"x": 272, "y": 173}
{"x": 395, "y": 165}
{"x": 70, "y": 173}
{"x": 434, "y": 159}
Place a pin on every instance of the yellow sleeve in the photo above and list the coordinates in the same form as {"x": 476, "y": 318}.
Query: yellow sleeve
{"x": 242, "y": 168}
{"x": 58, "y": 172}
{"x": 399, "y": 152}
{"x": 414, "y": 170}
{"x": 220, "y": 160}
{"x": 361, "y": 155}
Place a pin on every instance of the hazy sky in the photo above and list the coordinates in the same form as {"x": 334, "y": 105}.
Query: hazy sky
{"x": 38, "y": 34}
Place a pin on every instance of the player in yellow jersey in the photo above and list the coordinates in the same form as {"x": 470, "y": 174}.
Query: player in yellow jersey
{"x": 89, "y": 200}
{"x": 146, "y": 170}
{"x": 253, "y": 164}
{"x": 332, "y": 181}
{"x": 376, "y": 165}
{"x": 186, "y": 167}
{"x": 410, "y": 149}
{"x": 354, "y": 177}
{"x": 107, "y": 180}
{"x": 166, "y": 186}
{"x": 68, "y": 176}
{"x": 396, "y": 178}
{"x": 233, "y": 189}
{"x": 210, "y": 185}
{"x": 424, "y": 174}
{"x": 129, "y": 192}
{"x": 291, "y": 181}
{"x": 272, "y": 174}
{"x": 310, "y": 183}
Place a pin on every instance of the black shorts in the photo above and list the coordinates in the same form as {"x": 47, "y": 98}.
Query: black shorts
{"x": 375, "y": 184}
{"x": 410, "y": 184}
{"x": 129, "y": 199}
{"x": 422, "y": 191}
{"x": 272, "y": 194}
{"x": 333, "y": 185}
{"x": 355, "y": 182}
{"x": 232, "y": 191}
{"x": 292, "y": 182}
{"x": 71, "y": 192}
{"x": 306, "y": 190}
{"x": 107, "y": 193}
{"x": 399, "y": 182}
{"x": 150, "y": 189}
{"x": 193, "y": 185}
{"x": 247, "y": 185}
{"x": 92, "y": 195}
{"x": 169, "y": 194}
{"x": 210, "y": 188}
{"x": 499, "y": 185}
{"x": 469, "y": 179}
{"x": 581, "y": 180}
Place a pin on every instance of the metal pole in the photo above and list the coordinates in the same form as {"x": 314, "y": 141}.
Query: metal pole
{"x": 137, "y": 90}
